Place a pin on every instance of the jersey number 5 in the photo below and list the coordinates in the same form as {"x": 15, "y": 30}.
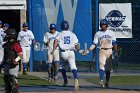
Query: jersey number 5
{"x": 67, "y": 40}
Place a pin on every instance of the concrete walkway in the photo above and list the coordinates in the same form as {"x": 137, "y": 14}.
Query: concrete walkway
{"x": 59, "y": 82}
{"x": 85, "y": 87}
{"x": 83, "y": 83}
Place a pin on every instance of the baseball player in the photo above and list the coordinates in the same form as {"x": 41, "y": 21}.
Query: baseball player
{"x": 53, "y": 59}
{"x": 3, "y": 34}
{"x": 105, "y": 40}
{"x": 67, "y": 41}
{"x": 25, "y": 37}
{"x": 1, "y": 43}
{"x": 12, "y": 55}
{"x": 1, "y": 51}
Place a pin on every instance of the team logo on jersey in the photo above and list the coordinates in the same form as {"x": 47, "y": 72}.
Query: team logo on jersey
{"x": 115, "y": 18}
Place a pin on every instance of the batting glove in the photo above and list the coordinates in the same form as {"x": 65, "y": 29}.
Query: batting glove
{"x": 81, "y": 51}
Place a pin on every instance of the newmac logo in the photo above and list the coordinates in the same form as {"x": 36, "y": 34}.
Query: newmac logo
{"x": 115, "y": 18}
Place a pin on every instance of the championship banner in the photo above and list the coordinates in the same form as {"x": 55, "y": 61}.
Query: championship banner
{"x": 119, "y": 16}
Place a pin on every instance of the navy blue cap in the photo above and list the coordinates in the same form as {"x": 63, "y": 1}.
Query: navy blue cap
{"x": 25, "y": 24}
{"x": 6, "y": 25}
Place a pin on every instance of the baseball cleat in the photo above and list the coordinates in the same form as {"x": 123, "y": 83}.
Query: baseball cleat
{"x": 106, "y": 84}
{"x": 25, "y": 73}
{"x": 49, "y": 79}
{"x": 76, "y": 84}
{"x": 101, "y": 84}
{"x": 55, "y": 79}
{"x": 65, "y": 83}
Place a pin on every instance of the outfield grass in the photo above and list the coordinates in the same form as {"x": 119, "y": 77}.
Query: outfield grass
{"x": 119, "y": 80}
{"x": 29, "y": 81}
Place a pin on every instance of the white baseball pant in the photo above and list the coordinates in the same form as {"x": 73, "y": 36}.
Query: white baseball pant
{"x": 105, "y": 59}
{"x": 69, "y": 56}
{"x": 26, "y": 54}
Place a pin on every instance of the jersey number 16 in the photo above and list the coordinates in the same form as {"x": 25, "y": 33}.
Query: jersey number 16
{"x": 67, "y": 40}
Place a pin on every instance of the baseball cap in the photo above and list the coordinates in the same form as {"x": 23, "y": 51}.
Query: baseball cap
{"x": 6, "y": 25}
{"x": 25, "y": 24}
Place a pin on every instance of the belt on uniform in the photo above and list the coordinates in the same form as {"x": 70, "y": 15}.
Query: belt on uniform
{"x": 106, "y": 48}
{"x": 25, "y": 46}
{"x": 65, "y": 50}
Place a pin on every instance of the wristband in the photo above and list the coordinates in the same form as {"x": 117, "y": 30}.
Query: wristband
{"x": 17, "y": 59}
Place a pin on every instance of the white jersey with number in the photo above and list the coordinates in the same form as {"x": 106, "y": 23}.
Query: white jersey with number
{"x": 1, "y": 43}
{"x": 25, "y": 38}
{"x": 104, "y": 39}
{"x": 67, "y": 40}
{"x": 48, "y": 37}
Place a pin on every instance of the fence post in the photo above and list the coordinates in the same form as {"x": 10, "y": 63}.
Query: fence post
{"x": 30, "y": 27}
{"x": 97, "y": 19}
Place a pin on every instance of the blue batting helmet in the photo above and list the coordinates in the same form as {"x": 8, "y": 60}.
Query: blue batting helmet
{"x": 64, "y": 25}
{"x": 5, "y": 25}
{"x": 52, "y": 26}
{"x": 25, "y": 24}
{"x": 103, "y": 22}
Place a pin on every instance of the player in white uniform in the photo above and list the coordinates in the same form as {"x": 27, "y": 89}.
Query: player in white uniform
{"x": 25, "y": 37}
{"x": 3, "y": 34}
{"x": 104, "y": 39}
{"x": 1, "y": 43}
{"x": 53, "y": 59}
{"x": 67, "y": 41}
{"x": 1, "y": 51}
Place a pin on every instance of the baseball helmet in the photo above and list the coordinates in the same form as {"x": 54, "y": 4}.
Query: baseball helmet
{"x": 11, "y": 34}
{"x": 25, "y": 24}
{"x": 103, "y": 22}
{"x": 64, "y": 25}
{"x": 5, "y": 25}
{"x": 52, "y": 26}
